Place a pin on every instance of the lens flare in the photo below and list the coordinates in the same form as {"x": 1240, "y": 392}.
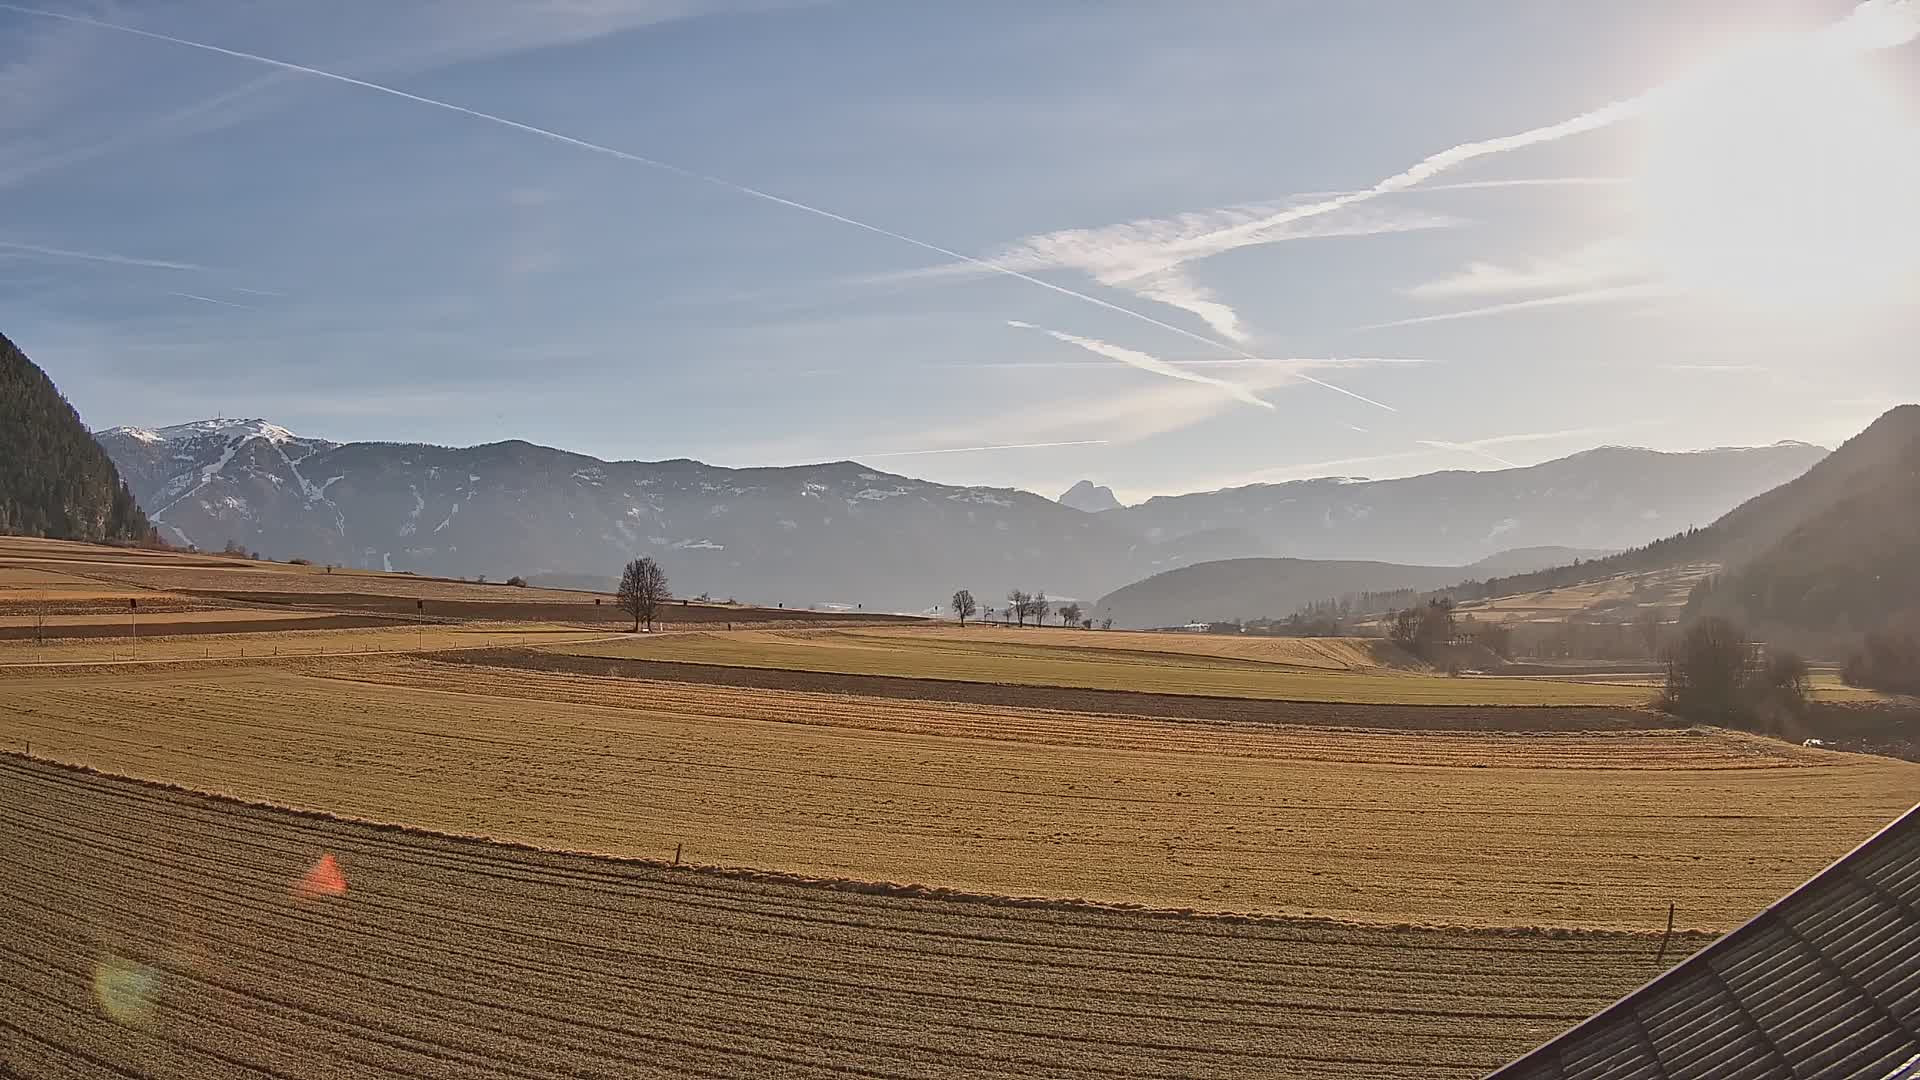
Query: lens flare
{"x": 323, "y": 878}
{"x": 127, "y": 991}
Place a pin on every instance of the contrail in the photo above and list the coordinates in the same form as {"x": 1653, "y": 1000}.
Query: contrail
{"x": 1602, "y": 295}
{"x": 211, "y": 300}
{"x": 663, "y": 166}
{"x": 1135, "y": 358}
{"x": 978, "y": 449}
{"x": 1144, "y": 362}
{"x": 90, "y": 256}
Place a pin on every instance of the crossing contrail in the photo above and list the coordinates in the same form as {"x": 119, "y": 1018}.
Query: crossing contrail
{"x": 663, "y": 166}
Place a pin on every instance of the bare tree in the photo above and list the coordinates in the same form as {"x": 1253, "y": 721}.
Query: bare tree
{"x": 1106, "y": 623}
{"x": 38, "y": 613}
{"x": 964, "y": 606}
{"x": 643, "y": 588}
{"x": 1040, "y": 608}
{"x": 1070, "y": 614}
{"x": 1019, "y": 605}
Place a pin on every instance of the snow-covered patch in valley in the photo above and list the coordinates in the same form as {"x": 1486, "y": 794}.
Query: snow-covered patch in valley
{"x": 877, "y": 494}
{"x": 787, "y": 523}
{"x": 981, "y": 496}
{"x": 412, "y": 524}
{"x": 451, "y": 514}
{"x": 697, "y": 545}
{"x": 142, "y": 434}
{"x": 593, "y": 476}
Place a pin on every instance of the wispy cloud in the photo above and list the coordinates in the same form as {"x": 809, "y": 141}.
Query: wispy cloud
{"x": 207, "y": 114}
{"x": 1607, "y": 262}
{"x": 99, "y": 256}
{"x": 1147, "y": 257}
{"x": 1145, "y": 362}
{"x": 982, "y": 449}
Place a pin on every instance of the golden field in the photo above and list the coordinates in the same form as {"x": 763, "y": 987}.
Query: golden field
{"x": 1497, "y": 829}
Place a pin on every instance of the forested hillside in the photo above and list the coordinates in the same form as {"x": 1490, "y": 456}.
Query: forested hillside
{"x": 55, "y": 480}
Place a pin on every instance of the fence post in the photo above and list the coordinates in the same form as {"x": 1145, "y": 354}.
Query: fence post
{"x": 1661, "y": 955}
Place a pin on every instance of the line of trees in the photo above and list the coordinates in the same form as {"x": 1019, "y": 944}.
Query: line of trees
{"x": 1021, "y": 607}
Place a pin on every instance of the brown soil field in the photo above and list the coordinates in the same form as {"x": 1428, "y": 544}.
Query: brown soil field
{"x": 184, "y": 624}
{"x": 1596, "y": 830}
{"x": 252, "y": 641}
{"x": 1037, "y": 658}
{"x": 579, "y": 609}
{"x": 1320, "y": 654}
{"x": 154, "y": 932}
{"x": 1521, "y": 718}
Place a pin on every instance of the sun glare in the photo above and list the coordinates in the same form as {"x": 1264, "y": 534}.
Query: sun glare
{"x": 1789, "y": 178}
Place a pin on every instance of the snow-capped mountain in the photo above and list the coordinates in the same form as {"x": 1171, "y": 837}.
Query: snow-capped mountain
{"x": 847, "y": 533}
{"x": 839, "y": 532}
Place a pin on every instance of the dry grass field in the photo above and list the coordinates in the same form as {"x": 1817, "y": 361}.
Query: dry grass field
{"x": 1625, "y": 595}
{"x": 1150, "y": 663}
{"x": 159, "y": 933}
{"x": 1563, "y": 830}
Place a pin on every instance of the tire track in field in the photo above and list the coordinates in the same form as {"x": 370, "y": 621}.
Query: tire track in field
{"x": 453, "y": 958}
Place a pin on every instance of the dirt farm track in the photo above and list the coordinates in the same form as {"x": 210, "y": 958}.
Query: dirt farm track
{"x": 163, "y": 933}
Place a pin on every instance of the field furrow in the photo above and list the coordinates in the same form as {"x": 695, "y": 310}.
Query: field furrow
{"x": 450, "y": 958}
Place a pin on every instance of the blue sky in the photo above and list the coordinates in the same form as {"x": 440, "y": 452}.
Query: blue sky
{"x": 1725, "y": 257}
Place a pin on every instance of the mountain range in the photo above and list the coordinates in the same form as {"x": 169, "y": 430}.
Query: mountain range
{"x": 845, "y": 533}
{"x": 1613, "y": 497}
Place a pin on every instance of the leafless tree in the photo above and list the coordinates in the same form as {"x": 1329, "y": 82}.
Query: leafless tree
{"x": 1040, "y": 608}
{"x": 1019, "y": 605}
{"x": 1070, "y": 614}
{"x": 643, "y": 588}
{"x": 38, "y": 613}
{"x": 964, "y": 606}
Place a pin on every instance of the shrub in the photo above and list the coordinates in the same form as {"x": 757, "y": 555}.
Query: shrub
{"x": 517, "y": 581}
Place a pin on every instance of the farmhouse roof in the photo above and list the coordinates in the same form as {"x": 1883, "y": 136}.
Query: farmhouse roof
{"x": 1825, "y": 983}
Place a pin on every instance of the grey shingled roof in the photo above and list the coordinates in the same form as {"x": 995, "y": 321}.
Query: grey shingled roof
{"x": 1825, "y": 983}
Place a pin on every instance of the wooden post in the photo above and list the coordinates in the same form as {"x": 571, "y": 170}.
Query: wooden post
{"x": 676, "y": 854}
{"x": 1661, "y": 955}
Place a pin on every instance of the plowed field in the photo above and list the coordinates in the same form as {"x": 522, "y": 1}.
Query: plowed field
{"x": 1032, "y": 658}
{"x": 157, "y": 933}
{"x": 1468, "y": 829}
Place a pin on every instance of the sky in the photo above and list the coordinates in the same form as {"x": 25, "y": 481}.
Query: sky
{"x": 1167, "y": 247}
